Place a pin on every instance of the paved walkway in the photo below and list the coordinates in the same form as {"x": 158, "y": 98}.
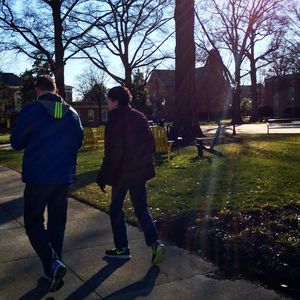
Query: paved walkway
{"x": 182, "y": 276}
{"x": 251, "y": 129}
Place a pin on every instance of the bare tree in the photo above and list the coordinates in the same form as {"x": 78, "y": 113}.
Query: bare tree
{"x": 240, "y": 27}
{"x": 47, "y": 28}
{"x": 227, "y": 26}
{"x": 286, "y": 59}
{"x": 92, "y": 87}
{"x": 267, "y": 22}
{"x": 131, "y": 36}
{"x": 293, "y": 37}
{"x": 90, "y": 77}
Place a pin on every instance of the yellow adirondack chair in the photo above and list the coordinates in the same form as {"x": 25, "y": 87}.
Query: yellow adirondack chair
{"x": 162, "y": 145}
{"x": 99, "y": 136}
{"x": 93, "y": 137}
{"x": 88, "y": 138}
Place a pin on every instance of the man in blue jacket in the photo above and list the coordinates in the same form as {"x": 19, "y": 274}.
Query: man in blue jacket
{"x": 50, "y": 132}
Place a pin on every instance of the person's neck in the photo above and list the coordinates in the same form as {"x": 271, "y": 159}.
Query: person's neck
{"x": 41, "y": 93}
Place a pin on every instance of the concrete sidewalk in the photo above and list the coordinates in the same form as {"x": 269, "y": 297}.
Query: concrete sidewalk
{"x": 182, "y": 275}
{"x": 260, "y": 128}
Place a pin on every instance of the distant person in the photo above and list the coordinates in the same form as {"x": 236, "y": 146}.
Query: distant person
{"x": 50, "y": 131}
{"x": 127, "y": 164}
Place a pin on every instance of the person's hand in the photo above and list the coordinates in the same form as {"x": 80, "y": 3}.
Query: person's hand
{"x": 102, "y": 187}
{"x": 100, "y": 183}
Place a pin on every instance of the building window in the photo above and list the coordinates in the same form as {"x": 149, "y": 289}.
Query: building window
{"x": 104, "y": 115}
{"x": 91, "y": 115}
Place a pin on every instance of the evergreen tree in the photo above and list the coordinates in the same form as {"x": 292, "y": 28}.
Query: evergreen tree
{"x": 140, "y": 93}
{"x": 28, "y": 77}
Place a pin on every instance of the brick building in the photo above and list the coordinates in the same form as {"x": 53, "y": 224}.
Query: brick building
{"x": 90, "y": 114}
{"x": 282, "y": 95}
{"x": 10, "y": 99}
{"x": 213, "y": 92}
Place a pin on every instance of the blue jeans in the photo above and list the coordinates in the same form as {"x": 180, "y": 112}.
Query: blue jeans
{"x": 47, "y": 243}
{"x": 138, "y": 195}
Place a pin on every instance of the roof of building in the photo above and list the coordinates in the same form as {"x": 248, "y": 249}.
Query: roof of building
{"x": 167, "y": 77}
{"x": 283, "y": 77}
{"x": 10, "y": 79}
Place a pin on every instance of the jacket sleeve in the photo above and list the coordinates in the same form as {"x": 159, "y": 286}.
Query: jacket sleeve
{"x": 80, "y": 133}
{"x": 20, "y": 134}
{"x": 113, "y": 155}
{"x": 78, "y": 129}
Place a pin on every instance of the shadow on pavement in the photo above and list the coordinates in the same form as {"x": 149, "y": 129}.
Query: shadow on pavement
{"x": 138, "y": 289}
{"x": 83, "y": 180}
{"x": 38, "y": 292}
{"x": 95, "y": 281}
{"x": 14, "y": 209}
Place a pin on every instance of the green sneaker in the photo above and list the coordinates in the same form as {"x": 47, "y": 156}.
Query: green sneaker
{"x": 158, "y": 253}
{"x": 118, "y": 253}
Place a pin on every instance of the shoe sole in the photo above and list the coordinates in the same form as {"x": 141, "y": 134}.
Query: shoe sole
{"x": 160, "y": 255}
{"x": 57, "y": 277}
{"x": 118, "y": 256}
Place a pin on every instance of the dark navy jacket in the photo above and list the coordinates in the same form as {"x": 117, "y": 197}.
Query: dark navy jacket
{"x": 50, "y": 131}
{"x": 129, "y": 149}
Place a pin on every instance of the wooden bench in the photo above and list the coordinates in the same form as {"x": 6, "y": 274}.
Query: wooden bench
{"x": 210, "y": 147}
{"x": 162, "y": 144}
{"x": 282, "y": 123}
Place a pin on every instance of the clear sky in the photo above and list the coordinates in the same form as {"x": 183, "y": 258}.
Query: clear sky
{"x": 17, "y": 64}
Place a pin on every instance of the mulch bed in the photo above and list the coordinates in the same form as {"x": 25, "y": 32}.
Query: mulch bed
{"x": 261, "y": 245}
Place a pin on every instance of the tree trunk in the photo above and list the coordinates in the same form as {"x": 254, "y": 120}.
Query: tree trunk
{"x": 236, "y": 109}
{"x": 59, "y": 68}
{"x": 254, "y": 113}
{"x": 185, "y": 113}
{"x": 128, "y": 79}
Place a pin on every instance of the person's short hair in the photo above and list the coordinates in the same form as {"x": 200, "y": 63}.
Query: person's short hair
{"x": 45, "y": 83}
{"x": 120, "y": 94}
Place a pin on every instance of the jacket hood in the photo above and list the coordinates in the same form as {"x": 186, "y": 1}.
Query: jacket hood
{"x": 54, "y": 105}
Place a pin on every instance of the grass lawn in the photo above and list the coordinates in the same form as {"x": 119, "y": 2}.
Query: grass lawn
{"x": 240, "y": 211}
{"x": 255, "y": 172}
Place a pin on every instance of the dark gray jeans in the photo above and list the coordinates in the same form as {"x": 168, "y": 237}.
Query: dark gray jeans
{"x": 138, "y": 195}
{"x": 47, "y": 242}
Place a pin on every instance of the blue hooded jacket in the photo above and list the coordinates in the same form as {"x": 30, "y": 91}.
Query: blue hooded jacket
{"x": 50, "y": 131}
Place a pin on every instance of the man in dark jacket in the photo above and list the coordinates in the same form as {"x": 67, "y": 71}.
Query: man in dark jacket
{"x": 128, "y": 163}
{"x": 50, "y": 131}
